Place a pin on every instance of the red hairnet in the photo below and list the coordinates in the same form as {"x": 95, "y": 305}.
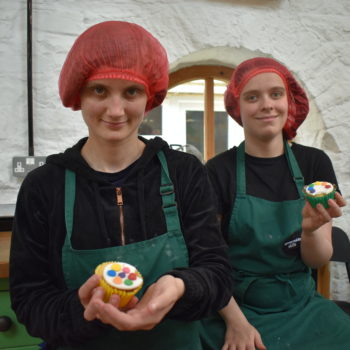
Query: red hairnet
{"x": 115, "y": 50}
{"x": 298, "y": 104}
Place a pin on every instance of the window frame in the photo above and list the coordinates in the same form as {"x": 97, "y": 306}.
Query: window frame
{"x": 208, "y": 73}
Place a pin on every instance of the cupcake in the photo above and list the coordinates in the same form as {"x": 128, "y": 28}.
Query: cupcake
{"x": 319, "y": 192}
{"x": 119, "y": 278}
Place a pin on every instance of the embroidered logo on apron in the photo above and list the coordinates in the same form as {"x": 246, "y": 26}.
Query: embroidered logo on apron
{"x": 291, "y": 246}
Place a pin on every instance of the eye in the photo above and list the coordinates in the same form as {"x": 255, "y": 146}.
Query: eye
{"x": 251, "y": 98}
{"x": 134, "y": 91}
{"x": 277, "y": 94}
{"x": 99, "y": 90}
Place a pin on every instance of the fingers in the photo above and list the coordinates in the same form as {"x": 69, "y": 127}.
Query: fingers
{"x": 132, "y": 303}
{"x": 335, "y": 205}
{"x": 246, "y": 338}
{"x": 86, "y": 290}
{"x": 340, "y": 200}
{"x": 314, "y": 218}
{"x": 258, "y": 342}
{"x": 137, "y": 315}
{"x": 125, "y": 321}
{"x": 240, "y": 346}
{"x": 110, "y": 314}
{"x": 115, "y": 300}
{"x": 334, "y": 210}
{"x": 93, "y": 308}
{"x": 324, "y": 213}
{"x": 321, "y": 214}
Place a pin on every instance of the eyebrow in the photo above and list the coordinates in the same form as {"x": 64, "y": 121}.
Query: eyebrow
{"x": 278, "y": 88}
{"x": 257, "y": 91}
{"x": 93, "y": 83}
{"x": 132, "y": 84}
{"x": 249, "y": 92}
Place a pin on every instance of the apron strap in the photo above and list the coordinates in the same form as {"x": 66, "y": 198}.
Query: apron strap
{"x": 166, "y": 191}
{"x": 168, "y": 197}
{"x": 294, "y": 168}
{"x": 69, "y": 198}
{"x": 240, "y": 171}
{"x": 292, "y": 163}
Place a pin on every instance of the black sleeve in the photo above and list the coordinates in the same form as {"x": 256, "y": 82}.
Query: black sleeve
{"x": 222, "y": 174}
{"x": 208, "y": 285}
{"x": 314, "y": 164}
{"x": 39, "y": 296}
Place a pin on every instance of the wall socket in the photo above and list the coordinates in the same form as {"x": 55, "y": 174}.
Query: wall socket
{"x": 21, "y": 166}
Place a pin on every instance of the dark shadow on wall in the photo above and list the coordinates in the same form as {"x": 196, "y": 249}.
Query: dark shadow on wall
{"x": 329, "y": 143}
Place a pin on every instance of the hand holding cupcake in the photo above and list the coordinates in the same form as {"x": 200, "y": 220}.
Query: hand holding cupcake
{"x": 119, "y": 278}
{"x": 319, "y": 192}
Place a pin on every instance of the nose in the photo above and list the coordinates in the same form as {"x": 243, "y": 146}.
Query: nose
{"x": 115, "y": 105}
{"x": 267, "y": 103}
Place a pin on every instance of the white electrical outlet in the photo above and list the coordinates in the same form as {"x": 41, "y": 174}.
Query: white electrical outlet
{"x": 21, "y": 166}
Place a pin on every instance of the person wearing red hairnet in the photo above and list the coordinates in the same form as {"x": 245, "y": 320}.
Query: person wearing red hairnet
{"x": 274, "y": 236}
{"x": 115, "y": 196}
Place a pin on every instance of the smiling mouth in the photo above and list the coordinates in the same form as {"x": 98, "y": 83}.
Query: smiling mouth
{"x": 114, "y": 124}
{"x": 268, "y": 117}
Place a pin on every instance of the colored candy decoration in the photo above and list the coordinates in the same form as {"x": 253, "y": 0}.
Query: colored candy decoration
{"x": 319, "y": 192}
{"x": 119, "y": 278}
{"x": 122, "y": 275}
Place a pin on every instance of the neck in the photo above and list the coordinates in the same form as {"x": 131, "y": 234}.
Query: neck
{"x": 263, "y": 148}
{"x": 111, "y": 158}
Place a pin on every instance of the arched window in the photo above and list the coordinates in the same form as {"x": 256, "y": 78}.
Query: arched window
{"x": 193, "y": 113}
{"x": 209, "y": 74}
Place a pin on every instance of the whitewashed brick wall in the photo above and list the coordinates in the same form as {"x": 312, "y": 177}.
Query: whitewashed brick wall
{"x": 310, "y": 37}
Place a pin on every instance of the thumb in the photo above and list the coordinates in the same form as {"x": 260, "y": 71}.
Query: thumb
{"x": 258, "y": 342}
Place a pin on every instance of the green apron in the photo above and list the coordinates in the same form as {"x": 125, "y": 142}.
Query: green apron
{"x": 274, "y": 290}
{"x": 153, "y": 257}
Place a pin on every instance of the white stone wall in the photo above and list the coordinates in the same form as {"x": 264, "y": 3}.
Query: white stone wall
{"x": 310, "y": 37}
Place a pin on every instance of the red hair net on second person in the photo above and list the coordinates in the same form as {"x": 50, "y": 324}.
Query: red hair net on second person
{"x": 115, "y": 50}
{"x": 298, "y": 104}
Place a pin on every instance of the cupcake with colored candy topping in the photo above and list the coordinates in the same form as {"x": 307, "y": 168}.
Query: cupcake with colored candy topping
{"x": 119, "y": 278}
{"x": 319, "y": 192}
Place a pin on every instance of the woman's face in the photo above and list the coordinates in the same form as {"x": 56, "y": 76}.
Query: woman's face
{"x": 264, "y": 106}
{"x": 113, "y": 109}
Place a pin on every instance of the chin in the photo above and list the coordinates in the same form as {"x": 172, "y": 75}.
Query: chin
{"x": 270, "y": 136}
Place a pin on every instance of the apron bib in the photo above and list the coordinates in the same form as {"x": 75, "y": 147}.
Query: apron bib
{"x": 257, "y": 231}
{"x": 274, "y": 290}
{"x": 153, "y": 257}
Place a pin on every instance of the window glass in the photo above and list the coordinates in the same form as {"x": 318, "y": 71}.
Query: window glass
{"x": 195, "y": 130}
{"x": 180, "y": 119}
{"x": 152, "y": 124}
{"x": 221, "y": 131}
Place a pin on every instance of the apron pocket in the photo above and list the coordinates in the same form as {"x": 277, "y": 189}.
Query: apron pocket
{"x": 274, "y": 294}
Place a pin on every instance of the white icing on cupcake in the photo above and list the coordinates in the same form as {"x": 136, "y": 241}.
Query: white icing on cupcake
{"x": 319, "y": 188}
{"x": 122, "y": 276}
